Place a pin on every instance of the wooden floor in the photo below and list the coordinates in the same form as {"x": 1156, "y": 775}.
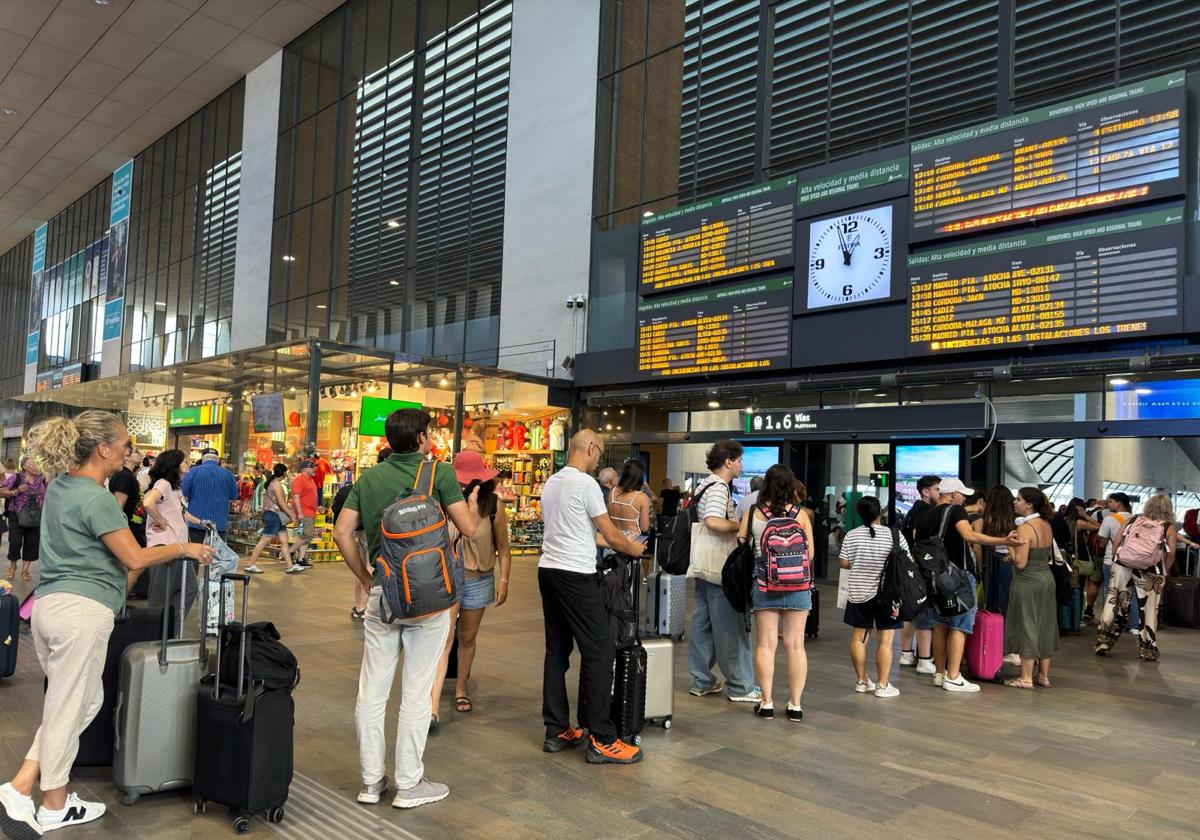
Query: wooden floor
{"x": 1110, "y": 752}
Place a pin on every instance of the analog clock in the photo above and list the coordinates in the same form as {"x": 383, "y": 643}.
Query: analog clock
{"x": 850, "y": 258}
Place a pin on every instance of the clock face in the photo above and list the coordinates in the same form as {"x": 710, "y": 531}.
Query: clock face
{"x": 850, "y": 258}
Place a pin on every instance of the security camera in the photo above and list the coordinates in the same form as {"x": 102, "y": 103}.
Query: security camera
{"x": 580, "y": 301}
{"x": 568, "y": 363}
{"x": 570, "y": 303}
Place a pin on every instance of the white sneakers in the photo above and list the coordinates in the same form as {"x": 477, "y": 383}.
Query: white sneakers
{"x": 925, "y": 666}
{"x": 754, "y": 695}
{"x": 888, "y": 690}
{"x": 961, "y": 685}
{"x": 864, "y": 686}
{"x": 908, "y": 658}
{"x": 939, "y": 680}
{"x": 76, "y": 812}
{"x": 18, "y": 818}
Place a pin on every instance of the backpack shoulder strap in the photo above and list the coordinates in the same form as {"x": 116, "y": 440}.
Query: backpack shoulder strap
{"x": 694, "y": 507}
{"x": 895, "y": 538}
{"x": 945, "y": 518}
{"x": 424, "y": 484}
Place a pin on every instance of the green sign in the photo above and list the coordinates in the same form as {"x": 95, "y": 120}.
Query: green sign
{"x": 853, "y": 180}
{"x": 184, "y": 417}
{"x": 719, "y": 200}
{"x": 374, "y": 413}
{"x": 767, "y": 284}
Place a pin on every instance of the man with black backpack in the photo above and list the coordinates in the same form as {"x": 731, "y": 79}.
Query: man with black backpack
{"x": 718, "y": 634}
{"x": 929, "y": 492}
{"x": 385, "y": 633}
{"x": 947, "y": 523}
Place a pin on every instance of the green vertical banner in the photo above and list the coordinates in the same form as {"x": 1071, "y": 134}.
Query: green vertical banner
{"x": 118, "y": 246}
{"x": 35, "y": 295}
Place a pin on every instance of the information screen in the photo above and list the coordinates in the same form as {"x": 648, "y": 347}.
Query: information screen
{"x": 1111, "y": 278}
{"x": 723, "y": 238}
{"x": 1110, "y": 149}
{"x": 746, "y": 326}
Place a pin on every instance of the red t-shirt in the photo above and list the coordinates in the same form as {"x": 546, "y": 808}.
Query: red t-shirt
{"x": 304, "y": 489}
{"x": 323, "y": 469}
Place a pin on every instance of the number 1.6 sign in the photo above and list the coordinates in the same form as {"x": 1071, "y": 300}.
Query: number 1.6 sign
{"x": 773, "y": 422}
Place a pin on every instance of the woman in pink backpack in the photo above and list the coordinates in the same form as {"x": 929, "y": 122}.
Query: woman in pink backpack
{"x": 1143, "y": 553}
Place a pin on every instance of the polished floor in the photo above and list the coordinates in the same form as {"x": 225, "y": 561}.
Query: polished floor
{"x": 1109, "y": 752}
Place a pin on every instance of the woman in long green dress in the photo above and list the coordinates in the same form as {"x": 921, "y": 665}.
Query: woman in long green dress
{"x": 1031, "y": 625}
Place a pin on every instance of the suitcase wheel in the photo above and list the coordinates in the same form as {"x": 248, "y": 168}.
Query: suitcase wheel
{"x": 131, "y": 798}
{"x": 666, "y": 723}
{"x": 241, "y": 825}
{"x": 275, "y": 815}
{"x": 200, "y": 806}
{"x": 637, "y": 740}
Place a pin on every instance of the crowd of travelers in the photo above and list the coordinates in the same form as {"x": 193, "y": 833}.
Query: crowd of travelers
{"x": 106, "y": 515}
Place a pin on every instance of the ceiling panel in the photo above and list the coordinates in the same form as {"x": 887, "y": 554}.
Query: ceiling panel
{"x": 92, "y": 84}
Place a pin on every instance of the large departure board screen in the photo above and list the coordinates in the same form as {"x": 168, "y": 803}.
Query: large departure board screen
{"x": 1105, "y": 150}
{"x": 722, "y": 238}
{"x": 746, "y": 326}
{"x": 1111, "y": 278}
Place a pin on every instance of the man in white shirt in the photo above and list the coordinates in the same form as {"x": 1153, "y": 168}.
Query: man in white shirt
{"x": 718, "y": 632}
{"x": 573, "y": 510}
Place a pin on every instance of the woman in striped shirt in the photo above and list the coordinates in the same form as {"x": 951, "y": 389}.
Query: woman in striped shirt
{"x": 864, "y": 552}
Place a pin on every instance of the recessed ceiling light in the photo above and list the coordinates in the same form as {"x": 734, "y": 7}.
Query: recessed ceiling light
{"x": 394, "y": 282}
{"x": 321, "y": 306}
{"x": 6, "y": 111}
{"x": 160, "y": 303}
{"x": 392, "y": 223}
{"x": 1119, "y": 381}
{"x": 880, "y": 394}
{"x": 714, "y": 404}
{"x": 102, "y": 2}
{"x": 288, "y": 258}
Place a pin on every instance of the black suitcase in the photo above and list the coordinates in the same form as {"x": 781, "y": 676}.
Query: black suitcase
{"x": 243, "y": 739}
{"x": 1181, "y": 594}
{"x": 627, "y": 708}
{"x": 132, "y": 626}
{"x": 813, "y": 625}
{"x": 10, "y": 634}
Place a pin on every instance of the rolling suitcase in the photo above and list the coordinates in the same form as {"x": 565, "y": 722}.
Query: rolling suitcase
{"x": 243, "y": 739}
{"x": 96, "y": 743}
{"x": 155, "y": 743}
{"x": 660, "y": 681}
{"x": 812, "y": 625}
{"x": 665, "y": 604}
{"x": 1181, "y": 594}
{"x": 10, "y": 634}
{"x": 1070, "y": 617}
{"x": 985, "y": 647}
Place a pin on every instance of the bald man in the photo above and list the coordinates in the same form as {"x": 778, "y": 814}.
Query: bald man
{"x": 574, "y": 511}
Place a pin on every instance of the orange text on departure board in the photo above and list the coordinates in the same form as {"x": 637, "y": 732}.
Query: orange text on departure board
{"x": 710, "y": 263}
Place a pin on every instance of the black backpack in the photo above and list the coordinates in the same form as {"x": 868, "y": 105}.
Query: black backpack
{"x": 737, "y": 578}
{"x": 902, "y": 592}
{"x": 269, "y": 660}
{"x": 617, "y": 580}
{"x": 674, "y": 547}
{"x": 948, "y": 586}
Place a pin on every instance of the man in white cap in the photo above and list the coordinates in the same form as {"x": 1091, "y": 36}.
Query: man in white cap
{"x": 950, "y": 634}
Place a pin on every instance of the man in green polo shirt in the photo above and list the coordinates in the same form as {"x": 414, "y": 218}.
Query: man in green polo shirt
{"x": 421, "y": 639}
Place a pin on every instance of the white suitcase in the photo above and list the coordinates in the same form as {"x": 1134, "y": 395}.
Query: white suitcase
{"x": 660, "y": 681}
{"x": 664, "y": 604}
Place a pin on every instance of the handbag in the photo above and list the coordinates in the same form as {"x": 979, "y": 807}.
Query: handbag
{"x": 30, "y": 516}
{"x": 1063, "y": 593}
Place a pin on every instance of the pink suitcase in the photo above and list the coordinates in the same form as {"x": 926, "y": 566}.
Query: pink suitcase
{"x": 985, "y": 647}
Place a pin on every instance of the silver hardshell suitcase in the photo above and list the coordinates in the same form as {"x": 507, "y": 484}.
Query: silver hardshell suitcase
{"x": 155, "y": 715}
{"x": 660, "y": 681}
{"x": 664, "y": 603}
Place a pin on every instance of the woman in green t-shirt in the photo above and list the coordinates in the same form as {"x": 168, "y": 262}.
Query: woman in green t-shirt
{"x": 87, "y": 552}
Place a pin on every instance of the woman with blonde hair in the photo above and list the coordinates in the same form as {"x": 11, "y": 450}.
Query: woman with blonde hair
{"x": 87, "y": 548}
{"x": 1129, "y": 581}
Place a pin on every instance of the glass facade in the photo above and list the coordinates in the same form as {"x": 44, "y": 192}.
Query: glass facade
{"x": 390, "y": 180}
{"x": 15, "y": 268}
{"x": 182, "y": 239}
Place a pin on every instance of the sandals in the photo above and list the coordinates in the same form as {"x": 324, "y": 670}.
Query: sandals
{"x": 1016, "y": 682}
{"x": 462, "y": 703}
{"x": 26, "y": 577}
{"x": 357, "y": 615}
{"x": 1044, "y": 682}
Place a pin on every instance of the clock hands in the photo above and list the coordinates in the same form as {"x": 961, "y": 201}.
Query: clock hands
{"x": 846, "y": 252}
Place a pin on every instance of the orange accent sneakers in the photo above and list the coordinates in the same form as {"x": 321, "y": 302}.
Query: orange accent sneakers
{"x": 563, "y": 740}
{"x": 618, "y": 752}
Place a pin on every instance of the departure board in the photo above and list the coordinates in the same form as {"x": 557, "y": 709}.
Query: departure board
{"x": 722, "y": 238}
{"x": 746, "y": 326}
{"x": 1106, "y": 150}
{"x": 1112, "y": 278}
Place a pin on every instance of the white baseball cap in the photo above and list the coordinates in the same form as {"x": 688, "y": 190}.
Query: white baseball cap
{"x": 953, "y": 485}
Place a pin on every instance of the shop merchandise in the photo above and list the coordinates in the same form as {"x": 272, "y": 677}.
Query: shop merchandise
{"x": 558, "y": 435}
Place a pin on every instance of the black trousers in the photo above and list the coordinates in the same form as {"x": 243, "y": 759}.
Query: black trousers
{"x": 23, "y": 543}
{"x": 574, "y": 616}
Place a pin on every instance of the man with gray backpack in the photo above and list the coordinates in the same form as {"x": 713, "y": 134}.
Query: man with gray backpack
{"x": 414, "y": 579}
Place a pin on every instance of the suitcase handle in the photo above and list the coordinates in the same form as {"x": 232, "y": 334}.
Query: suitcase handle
{"x": 166, "y": 632}
{"x": 118, "y": 732}
{"x": 243, "y": 653}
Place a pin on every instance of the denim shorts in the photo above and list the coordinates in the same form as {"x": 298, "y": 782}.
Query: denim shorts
{"x": 271, "y": 523}
{"x": 798, "y": 600}
{"x": 479, "y": 592}
{"x": 965, "y": 622}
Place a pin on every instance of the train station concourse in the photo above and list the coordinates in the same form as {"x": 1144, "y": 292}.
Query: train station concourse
{"x": 621, "y": 419}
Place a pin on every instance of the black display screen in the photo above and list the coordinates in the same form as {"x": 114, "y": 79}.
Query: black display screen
{"x": 1106, "y": 150}
{"x": 1115, "y": 277}
{"x": 723, "y": 238}
{"x": 746, "y": 326}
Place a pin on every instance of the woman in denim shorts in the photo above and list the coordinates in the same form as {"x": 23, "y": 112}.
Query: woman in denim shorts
{"x": 481, "y": 587}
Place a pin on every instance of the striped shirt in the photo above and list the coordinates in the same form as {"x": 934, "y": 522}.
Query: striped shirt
{"x": 867, "y": 557}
